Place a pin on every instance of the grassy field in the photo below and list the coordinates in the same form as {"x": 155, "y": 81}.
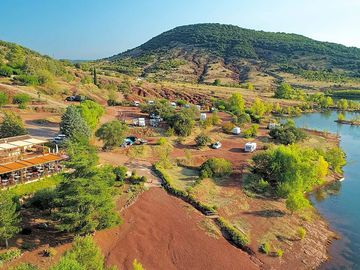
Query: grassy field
{"x": 30, "y": 188}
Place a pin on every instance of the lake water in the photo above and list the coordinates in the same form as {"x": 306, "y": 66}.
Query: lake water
{"x": 340, "y": 202}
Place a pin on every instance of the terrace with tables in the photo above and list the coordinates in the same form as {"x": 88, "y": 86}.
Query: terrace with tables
{"x": 25, "y": 158}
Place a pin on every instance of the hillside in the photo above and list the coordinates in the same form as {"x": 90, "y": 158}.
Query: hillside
{"x": 205, "y": 52}
{"x": 27, "y": 66}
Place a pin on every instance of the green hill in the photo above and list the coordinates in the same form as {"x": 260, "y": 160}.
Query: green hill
{"x": 29, "y": 67}
{"x": 204, "y": 52}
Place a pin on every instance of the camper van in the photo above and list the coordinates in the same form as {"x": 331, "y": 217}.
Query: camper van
{"x": 141, "y": 122}
{"x": 236, "y": 131}
{"x": 250, "y": 147}
{"x": 203, "y": 116}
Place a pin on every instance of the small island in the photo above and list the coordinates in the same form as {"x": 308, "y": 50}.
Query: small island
{"x": 354, "y": 122}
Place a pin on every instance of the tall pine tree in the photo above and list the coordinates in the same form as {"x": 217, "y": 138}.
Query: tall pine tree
{"x": 9, "y": 218}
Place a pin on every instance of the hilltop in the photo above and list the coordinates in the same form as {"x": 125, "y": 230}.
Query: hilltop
{"x": 205, "y": 52}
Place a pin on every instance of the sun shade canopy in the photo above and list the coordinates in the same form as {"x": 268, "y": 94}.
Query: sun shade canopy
{"x": 26, "y": 163}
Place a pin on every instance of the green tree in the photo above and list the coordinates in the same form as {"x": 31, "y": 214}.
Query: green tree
{"x": 22, "y": 100}
{"x": 83, "y": 255}
{"x": 217, "y": 167}
{"x": 236, "y": 104}
{"x": 91, "y": 112}
{"x": 290, "y": 168}
{"x": 296, "y": 201}
{"x": 342, "y": 104}
{"x": 84, "y": 205}
{"x": 217, "y": 82}
{"x": 83, "y": 157}
{"x": 287, "y": 134}
{"x": 112, "y": 133}
{"x": 341, "y": 117}
{"x": 284, "y": 91}
{"x": 258, "y": 107}
{"x": 3, "y": 99}
{"x": 137, "y": 265}
{"x": 95, "y": 81}
{"x": 183, "y": 122}
{"x": 251, "y": 132}
{"x": 12, "y": 125}
{"x": 336, "y": 158}
{"x": 9, "y": 218}
{"x": 73, "y": 124}
{"x": 202, "y": 140}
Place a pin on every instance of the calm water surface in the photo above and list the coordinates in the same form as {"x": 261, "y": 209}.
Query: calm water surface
{"x": 340, "y": 202}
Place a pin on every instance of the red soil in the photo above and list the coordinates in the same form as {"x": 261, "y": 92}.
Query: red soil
{"x": 162, "y": 232}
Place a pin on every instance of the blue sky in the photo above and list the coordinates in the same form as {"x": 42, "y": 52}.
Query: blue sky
{"x": 91, "y": 29}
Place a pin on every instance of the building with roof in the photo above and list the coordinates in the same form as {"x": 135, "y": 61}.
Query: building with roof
{"x": 25, "y": 158}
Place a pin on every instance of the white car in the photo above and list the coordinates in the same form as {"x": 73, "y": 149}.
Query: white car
{"x": 216, "y": 145}
{"x": 136, "y": 103}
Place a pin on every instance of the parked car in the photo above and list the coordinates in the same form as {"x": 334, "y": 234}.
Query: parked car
{"x": 216, "y": 145}
{"x": 136, "y": 103}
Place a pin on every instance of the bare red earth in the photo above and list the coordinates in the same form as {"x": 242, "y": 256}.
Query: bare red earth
{"x": 162, "y": 232}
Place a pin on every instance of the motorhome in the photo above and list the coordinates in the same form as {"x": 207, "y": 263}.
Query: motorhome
{"x": 250, "y": 147}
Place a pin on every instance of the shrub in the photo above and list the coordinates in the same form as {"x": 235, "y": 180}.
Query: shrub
{"x": 237, "y": 237}
{"x": 228, "y": 127}
{"x": 215, "y": 167}
{"x": 120, "y": 172}
{"x": 265, "y": 248}
{"x": 6, "y": 71}
{"x": 3, "y": 99}
{"x": 21, "y": 100}
{"x": 301, "y": 232}
{"x": 162, "y": 141}
{"x": 251, "y": 132}
{"x": 27, "y": 79}
{"x": 279, "y": 252}
{"x": 202, "y": 140}
{"x": 9, "y": 255}
{"x": 167, "y": 183}
{"x": 135, "y": 179}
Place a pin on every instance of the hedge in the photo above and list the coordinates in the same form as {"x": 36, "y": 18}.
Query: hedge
{"x": 167, "y": 184}
{"x": 237, "y": 237}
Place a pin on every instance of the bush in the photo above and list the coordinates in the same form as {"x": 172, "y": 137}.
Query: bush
{"x": 279, "y": 252}
{"x": 251, "y": 132}
{"x": 9, "y": 255}
{"x": 135, "y": 179}
{"x": 265, "y": 248}
{"x": 120, "y": 172}
{"x": 167, "y": 183}
{"x": 21, "y": 100}
{"x": 217, "y": 167}
{"x": 228, "y": 127}
{"x": 27, "y": 79}
{"x": 162, "y": 141}
{"x": 3, "y": 99}
{"x": 301, "y": 232}
{"x": 202, "y": 140}
{"x": 6, "y": 71}
{"x": 237, "y": 237}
